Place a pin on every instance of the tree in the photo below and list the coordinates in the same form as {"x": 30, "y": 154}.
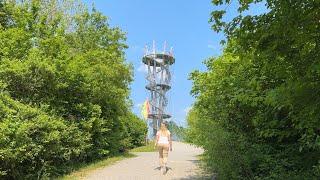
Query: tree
{"x": 177, "y": 132}
{"x": 259, "y": 99}
{"x": 69, "y": 67}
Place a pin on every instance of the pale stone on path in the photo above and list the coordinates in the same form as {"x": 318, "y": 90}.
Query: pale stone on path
{"x": 182, "y": 164}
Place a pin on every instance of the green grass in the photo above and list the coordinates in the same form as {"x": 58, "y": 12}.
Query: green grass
{"x": 83, "y": 171}
{"x": 147, "y": 148}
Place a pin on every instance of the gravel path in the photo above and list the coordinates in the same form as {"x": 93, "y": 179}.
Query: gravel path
{"x": 182, "y": 164}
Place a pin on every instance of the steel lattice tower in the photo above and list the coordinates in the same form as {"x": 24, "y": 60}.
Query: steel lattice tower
{"x": 159, "y": 79}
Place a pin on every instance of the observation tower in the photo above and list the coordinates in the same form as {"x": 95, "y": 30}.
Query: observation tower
{"x": 158, "y": 83}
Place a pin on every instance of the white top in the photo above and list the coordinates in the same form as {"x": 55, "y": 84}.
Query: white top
{"x": 163, "y": 139}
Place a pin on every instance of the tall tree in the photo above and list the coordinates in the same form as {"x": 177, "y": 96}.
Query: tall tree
{"x": 258, "y": 103}
{"x": 64, "y": 82}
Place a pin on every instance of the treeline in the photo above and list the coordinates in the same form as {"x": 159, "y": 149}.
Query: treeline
{"x": 64, "y": 89}
{"x": 257, "y": 109}
{"x": 177, "y": 132}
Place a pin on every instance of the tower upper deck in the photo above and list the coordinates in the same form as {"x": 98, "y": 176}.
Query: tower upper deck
{"x": 158, "y": 59}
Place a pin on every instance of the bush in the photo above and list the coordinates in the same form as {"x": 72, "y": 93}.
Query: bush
{"x": 249, "y": 131}
{"x": 64, "y": 87}
{"x": 135, "y": 131}
{"x": 257, "y": 106}
{"x": 177, "y": 132}
{"x": 33, "y": 144}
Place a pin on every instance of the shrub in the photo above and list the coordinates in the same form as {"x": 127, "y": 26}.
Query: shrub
{"x": 34, "y": 145}
{"x": 64, "y": 87}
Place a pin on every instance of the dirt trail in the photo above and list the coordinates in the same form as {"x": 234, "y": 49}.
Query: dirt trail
{"x": 182, "y": 164}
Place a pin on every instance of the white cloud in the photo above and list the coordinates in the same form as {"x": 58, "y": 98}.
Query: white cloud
{"x": 187, "y": 109}
{"x": 174, "y": 77}
{"x": 142, "y": 68}
{"x": 136, "y": 48}
{"x": 181, "y": 121}
{"x": 139, "y": 105}
{"x": 210, "y": 46}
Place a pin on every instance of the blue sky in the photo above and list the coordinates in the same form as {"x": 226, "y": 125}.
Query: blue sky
{"x": 183, "y": 24}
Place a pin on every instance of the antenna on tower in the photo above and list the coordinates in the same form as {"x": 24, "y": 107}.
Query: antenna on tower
{"x": 171, "y": 51}
{"x": 146, "y": 50}
{"x": 164, "y": 47}
{"x": 154, "y": 47}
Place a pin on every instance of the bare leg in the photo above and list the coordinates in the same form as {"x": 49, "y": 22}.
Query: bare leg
{"x": 165, "y": 157}
{"x": 160, "y": 148}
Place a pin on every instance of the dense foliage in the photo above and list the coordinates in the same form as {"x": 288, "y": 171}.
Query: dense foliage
{"x": 177, "y": 132}
{"x": 64, "y": 87}
{"x": 257, "y": 110}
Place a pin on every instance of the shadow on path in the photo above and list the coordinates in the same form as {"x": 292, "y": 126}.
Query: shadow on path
{"x": 194, "y": 161}
{"x": 158, "y": 168}
{"x": 202, "y": 176}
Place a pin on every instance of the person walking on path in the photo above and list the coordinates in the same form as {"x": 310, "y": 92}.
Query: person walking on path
{"x": 163, "y": 143}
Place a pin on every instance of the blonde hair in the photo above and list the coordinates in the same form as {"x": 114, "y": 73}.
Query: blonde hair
{"x": 163, "y": 129}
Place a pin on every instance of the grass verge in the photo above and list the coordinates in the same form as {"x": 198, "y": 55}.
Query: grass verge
{"x": 83, "y": 171}
{"x": 146, "y": 148}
